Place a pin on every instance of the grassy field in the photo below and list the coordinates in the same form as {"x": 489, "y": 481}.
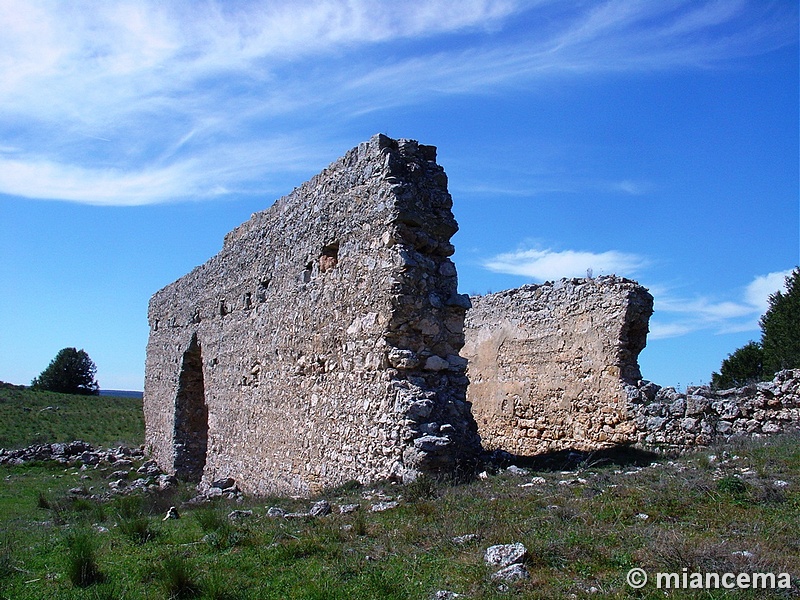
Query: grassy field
{"x": 33, "y": 417}
{"x": 733, "y": 509}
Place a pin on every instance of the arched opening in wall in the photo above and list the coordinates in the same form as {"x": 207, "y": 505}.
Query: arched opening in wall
{"x": 191, "y": 416}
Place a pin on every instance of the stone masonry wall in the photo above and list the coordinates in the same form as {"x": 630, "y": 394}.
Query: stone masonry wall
{"x": 321, "y": 344}
{"x": 671, "y": 420}
{"x": 549, "y": 364}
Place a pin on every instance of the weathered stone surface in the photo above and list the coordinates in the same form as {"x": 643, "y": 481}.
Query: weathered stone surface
{"x": 305, "y": 353}
{"x": 549, "y": 364}
{"x": 320, "y": 509}
{"x": 384, "y": 506}
{"x": 503, "y": 555}
{"x": 515, "y": 572}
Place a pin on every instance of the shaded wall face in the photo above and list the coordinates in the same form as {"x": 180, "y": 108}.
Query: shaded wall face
{"x": 548, "y": 364}
{"x": 329, "y": 327}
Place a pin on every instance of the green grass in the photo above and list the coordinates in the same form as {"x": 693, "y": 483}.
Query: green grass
{"x": 725, "y": 514}
{"x": 732, "y": 509}
{"x": 33, "y": 417}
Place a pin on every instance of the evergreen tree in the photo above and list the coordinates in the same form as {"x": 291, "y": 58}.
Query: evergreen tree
{"x": 744, "y": 366}
{"x": 780, "y": 328}
{"x": 780, "y": 342}
{"x": 70, "y": 372}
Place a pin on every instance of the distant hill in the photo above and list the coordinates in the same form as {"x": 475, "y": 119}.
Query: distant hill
{"x": 122, "y": 393}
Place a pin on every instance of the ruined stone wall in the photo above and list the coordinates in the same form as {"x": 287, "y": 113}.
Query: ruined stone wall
{"x": 549, "y": 364}
{"x": 321, "y": 344}
{"x": 672, "y": 420}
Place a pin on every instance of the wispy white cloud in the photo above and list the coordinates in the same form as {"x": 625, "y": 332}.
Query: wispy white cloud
{"x": 208, "y": 173}
{"x": 541, "y": 265}
{"x": 537, "y": 185}
{"x": 675, "y": 316}
{"x": 164, "y": 84}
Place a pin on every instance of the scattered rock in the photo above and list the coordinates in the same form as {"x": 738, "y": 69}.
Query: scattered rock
{"x": 320, "y": 509}
{"x": 297, "y": 515}
{"x": 534, "y": 482}
{"x": 275, "y": 512}
{"x": 503, "y": 555}
{"x": 149, "y": 468}
{"x": 382, "y": 506}
{"x": 237, "y": 515}
{"x": 466, "y": 539}
{"x": 166, "y": 481}
{"x": 223, "y": 484}
{"x": 346, "y": 509}
{"x": 515, "y": 470}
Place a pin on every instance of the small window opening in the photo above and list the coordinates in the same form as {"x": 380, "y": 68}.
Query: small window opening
{"x": 329, "y": 257}
{"x": 261, "y": 294}
{"x": 305, "y": 276}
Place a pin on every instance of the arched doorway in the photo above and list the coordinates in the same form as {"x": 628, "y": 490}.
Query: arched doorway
{"x": 191, "y": 416}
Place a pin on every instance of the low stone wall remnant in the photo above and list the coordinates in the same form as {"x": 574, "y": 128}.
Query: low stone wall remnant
{"x": 672, "y": 420}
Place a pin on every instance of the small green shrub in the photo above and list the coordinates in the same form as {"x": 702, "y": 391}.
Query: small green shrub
{"x": 138, "y": 529}
{"x": 422, "y": 488}
{"x": 6, "y": 554}
{"x": 82, "y": 567}
{"x": 129, "y": 507}
{"x": 732, "y": 485}
{"x": 178, "y": 579}
{"x": 220, "y": 533}
{"x": 360, "y": 524}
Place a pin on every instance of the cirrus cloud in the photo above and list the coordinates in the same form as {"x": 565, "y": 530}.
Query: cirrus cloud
{"x": 147, "y": 77}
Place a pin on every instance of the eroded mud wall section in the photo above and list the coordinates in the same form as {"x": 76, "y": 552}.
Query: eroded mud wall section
{"x": 329, "y": 328}
{"x": 549, "y": 364}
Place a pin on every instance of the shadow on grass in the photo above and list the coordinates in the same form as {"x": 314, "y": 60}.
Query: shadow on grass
{"x": 570, "y": 460}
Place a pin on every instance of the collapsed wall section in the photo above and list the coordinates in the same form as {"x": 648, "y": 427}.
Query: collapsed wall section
{"x": 549, "y": 364}
{"x": 327, "y": 333}
{"x": 670, "y": 420}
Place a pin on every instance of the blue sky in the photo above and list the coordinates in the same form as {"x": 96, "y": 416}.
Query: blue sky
{"x": 655, "y": 140}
